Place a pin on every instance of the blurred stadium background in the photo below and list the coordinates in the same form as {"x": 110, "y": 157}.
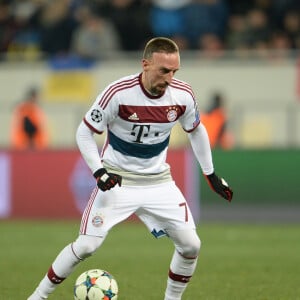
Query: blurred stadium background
{"x": 248, "y": 51}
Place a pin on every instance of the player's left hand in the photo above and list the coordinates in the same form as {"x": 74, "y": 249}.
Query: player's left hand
{"x": 220, "y": 186}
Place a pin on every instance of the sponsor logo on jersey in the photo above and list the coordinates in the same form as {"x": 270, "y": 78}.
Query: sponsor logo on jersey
{"x": 96, "y": 115}
{"x": 133, "y": 117}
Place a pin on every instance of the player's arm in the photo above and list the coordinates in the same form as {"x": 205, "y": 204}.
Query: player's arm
{"x": 201, "y": 147}
{"x": 89, "y": 150}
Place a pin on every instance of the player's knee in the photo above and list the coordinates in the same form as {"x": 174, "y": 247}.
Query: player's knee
{"x": 191, "y": 248}
{"x": 85, "y": 245}
{"x": 187, "y": 242}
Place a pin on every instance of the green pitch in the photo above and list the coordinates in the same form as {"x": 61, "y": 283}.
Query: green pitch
{"x": 237, "y": 261}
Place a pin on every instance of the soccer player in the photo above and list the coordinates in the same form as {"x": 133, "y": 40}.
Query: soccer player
{"x": 132, "y": 176}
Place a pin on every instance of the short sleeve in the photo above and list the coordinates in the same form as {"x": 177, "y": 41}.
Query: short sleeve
{"x": 191, "y": 118}
{"x": 100, "y": 115}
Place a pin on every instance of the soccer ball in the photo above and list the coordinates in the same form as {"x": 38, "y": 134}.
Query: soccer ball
{"x": 96, "y": 285}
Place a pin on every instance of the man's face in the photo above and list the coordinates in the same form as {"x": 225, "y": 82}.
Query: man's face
{"x": 159, "y": 71}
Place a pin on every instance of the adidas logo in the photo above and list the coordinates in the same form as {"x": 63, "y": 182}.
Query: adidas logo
{"x": 133, "y": 117}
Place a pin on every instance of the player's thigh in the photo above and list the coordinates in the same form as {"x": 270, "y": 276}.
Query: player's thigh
{"x": 170, "y": 205}
{"x": 165, "y": 208}
{"x": 105, "y": 209}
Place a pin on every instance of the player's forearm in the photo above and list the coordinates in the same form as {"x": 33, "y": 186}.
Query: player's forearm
{"x": 88, "y": 147}
{"x": 201, "y": 147}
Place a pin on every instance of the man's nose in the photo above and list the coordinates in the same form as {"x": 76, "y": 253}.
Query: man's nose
{"x": 169, "y": 77}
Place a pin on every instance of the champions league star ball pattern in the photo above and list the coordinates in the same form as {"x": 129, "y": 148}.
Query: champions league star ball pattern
{"x": 96, "y": 115}
{"x": 96, "y": 285}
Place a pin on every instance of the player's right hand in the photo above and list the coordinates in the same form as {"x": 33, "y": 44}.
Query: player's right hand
{"x": 105, "y": 180}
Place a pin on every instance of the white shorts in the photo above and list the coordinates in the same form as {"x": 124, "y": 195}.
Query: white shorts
{"x": 160, "y": 207}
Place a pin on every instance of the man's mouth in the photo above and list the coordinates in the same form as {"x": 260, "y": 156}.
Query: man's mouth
{"x": 162, "y": 86}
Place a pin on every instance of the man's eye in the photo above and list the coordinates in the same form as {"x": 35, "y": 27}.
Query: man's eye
{"x": 164, "y": 71}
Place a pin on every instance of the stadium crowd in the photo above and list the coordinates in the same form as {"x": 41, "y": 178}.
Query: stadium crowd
{"x": 95, "y": 29}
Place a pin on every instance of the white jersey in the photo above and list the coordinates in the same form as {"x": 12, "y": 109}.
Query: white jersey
{"x": 139, "y": 124}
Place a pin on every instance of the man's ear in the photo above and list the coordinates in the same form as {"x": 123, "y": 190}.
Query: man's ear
{"x": 145, "y": 64}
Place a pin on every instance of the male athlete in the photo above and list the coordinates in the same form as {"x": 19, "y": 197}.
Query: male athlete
{"x": 138, "y": 113}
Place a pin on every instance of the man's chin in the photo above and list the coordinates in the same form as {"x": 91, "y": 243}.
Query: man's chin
{"x": 160, "y": 90}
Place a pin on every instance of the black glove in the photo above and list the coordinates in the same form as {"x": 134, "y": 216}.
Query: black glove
{"x": 106, "y": 181}
{"x": 220, "y": 186}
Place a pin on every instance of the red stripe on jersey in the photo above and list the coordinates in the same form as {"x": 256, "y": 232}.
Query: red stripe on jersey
{"x": 151, "y": 114}
{"x": 122, "y": 85}
{"x": 91, "y": 127}
{"x": 182, "y": 86}
{"x": 182, "y": 83}
{"x": 195, "y": 125}
{"x": 104, "y": 147}
{"x": 87, "y": 211}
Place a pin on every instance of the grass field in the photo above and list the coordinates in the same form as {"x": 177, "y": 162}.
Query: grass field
{"x": 237, "y": 261}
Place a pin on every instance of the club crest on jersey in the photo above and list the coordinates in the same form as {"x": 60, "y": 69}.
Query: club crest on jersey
{"x": 97, "y": 220}
{"x": 96, "y": 115}
{"x": 172, "y": 113}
